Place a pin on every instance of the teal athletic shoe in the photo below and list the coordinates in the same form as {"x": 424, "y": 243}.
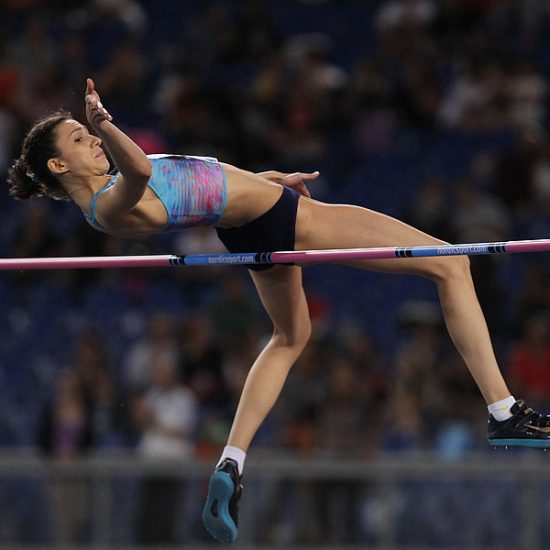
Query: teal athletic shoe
{"x": 220, "y": 514}
{"x": 526, "y": 428}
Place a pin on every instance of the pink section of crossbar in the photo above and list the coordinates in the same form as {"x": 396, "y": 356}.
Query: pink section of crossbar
{"x": 82, "y": 263}
{"x": 344, "y": 255}
{"x": 329, "y": 255}
{"x": 540, "y": 245}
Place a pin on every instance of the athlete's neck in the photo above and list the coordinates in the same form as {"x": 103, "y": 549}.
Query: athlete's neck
{"x": 82, "y": 189}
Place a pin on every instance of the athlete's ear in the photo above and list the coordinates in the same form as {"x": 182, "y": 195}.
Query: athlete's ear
{"x": 57, "y": 166}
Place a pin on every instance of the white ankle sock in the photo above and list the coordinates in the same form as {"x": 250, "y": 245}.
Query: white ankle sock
{"x": 500, "y": 410}
{"x": 235, "y": 454}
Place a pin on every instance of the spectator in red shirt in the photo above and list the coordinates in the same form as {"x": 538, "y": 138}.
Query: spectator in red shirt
{"x": 529, "y": 361}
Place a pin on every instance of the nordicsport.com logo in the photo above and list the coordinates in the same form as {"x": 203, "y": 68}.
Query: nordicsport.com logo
{"x": 232, "y": 259}
{"x": 462, "y": 250}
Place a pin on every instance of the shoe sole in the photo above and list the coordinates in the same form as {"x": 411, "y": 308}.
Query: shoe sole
{"x": 221, "y": 526}
{"x": 536, "y": 443}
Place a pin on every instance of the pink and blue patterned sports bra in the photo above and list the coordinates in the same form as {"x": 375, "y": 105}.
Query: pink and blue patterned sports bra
{"x": 192, "y": 189}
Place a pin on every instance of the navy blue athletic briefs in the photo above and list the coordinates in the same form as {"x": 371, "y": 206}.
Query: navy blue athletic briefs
{"x": 273, "y": 231}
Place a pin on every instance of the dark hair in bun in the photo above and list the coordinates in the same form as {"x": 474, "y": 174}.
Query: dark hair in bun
{"x": 30, "y": 176}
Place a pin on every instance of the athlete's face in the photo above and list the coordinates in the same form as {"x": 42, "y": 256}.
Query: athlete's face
{"x": 80, "y": 153}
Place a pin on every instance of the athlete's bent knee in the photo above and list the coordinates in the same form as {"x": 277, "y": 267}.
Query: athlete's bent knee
{"x": 296, "y": 337}
{"x": 449, "y": 267}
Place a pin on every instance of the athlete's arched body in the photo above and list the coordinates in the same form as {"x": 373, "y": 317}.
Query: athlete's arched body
{"x": 255, "y": 212}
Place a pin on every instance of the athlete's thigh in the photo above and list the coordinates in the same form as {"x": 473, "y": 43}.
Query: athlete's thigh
{"x": 281, "y": 292}
{"x": 321, "y": 226}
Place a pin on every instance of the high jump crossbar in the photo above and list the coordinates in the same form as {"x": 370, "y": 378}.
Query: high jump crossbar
{"x": 283, "y": 257}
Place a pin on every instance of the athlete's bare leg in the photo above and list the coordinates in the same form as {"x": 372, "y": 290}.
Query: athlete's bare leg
{"x": 322, "y": 226}
{"x": 340, "y": 226}
{"x": 280, "y": 290}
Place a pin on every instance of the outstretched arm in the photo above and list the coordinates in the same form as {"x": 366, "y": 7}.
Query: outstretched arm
{"x": 296, "y": 181}
{"x": 128, "y": 157}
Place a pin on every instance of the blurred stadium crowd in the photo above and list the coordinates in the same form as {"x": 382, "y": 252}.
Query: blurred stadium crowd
{"x": 433, "y": 111}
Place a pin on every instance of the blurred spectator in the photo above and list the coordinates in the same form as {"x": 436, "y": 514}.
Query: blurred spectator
{"x": 123, "y": 81}
{"x": 541, "y": 176}
{"x": 86, "y": 413}
{"x": 8, "y": 134}
{"x": 418, "y": 92}
{"x": 527, "y": 91}
{"x": 128, "y": 12}
{"x": 476, "y": 100}
{"x": 238, "y": 357}
{"x": 534, "y": 294}
{"x": 309, "y": 58}
{"x": 65, "y": 423}
{"x": 345, "y": 404}
{"x": 529, "y": 360}
{"x": 36, "y": 235}
{"x": 34, "y": 53}
{"x": 515, "y": 171}
{"x": 298, "y": 411}
{"x": 415, "y": 398}
{"x": 73, "y": 52}
{"x": 166, "y": 415}
{"x": 359, "y": 349}
{"x": 107, "y": 421}
{"x": 429, "y": 210}
{"x": 373, "y": 121}
{"x": 64, "y": 435}
{"x": 398, "y": 14}
{"x": 255, "y": 32}
{"x": 234, "y": 312}
{"x": 159, "y": 339}
{"x": 201, "y": 361}
{"x": 462, "y": 417}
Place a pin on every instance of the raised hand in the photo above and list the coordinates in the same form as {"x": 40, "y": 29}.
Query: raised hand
{"x": 95, "y": 112}
{"x": 296, "y": 180}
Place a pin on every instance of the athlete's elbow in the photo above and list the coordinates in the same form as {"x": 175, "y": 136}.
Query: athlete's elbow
{"x": 144, "y": 170}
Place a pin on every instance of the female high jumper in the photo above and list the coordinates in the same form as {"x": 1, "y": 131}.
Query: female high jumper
{"x": 251, "y": 212}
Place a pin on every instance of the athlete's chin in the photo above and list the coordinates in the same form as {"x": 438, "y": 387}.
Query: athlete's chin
{"x": 103, "y": 162}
